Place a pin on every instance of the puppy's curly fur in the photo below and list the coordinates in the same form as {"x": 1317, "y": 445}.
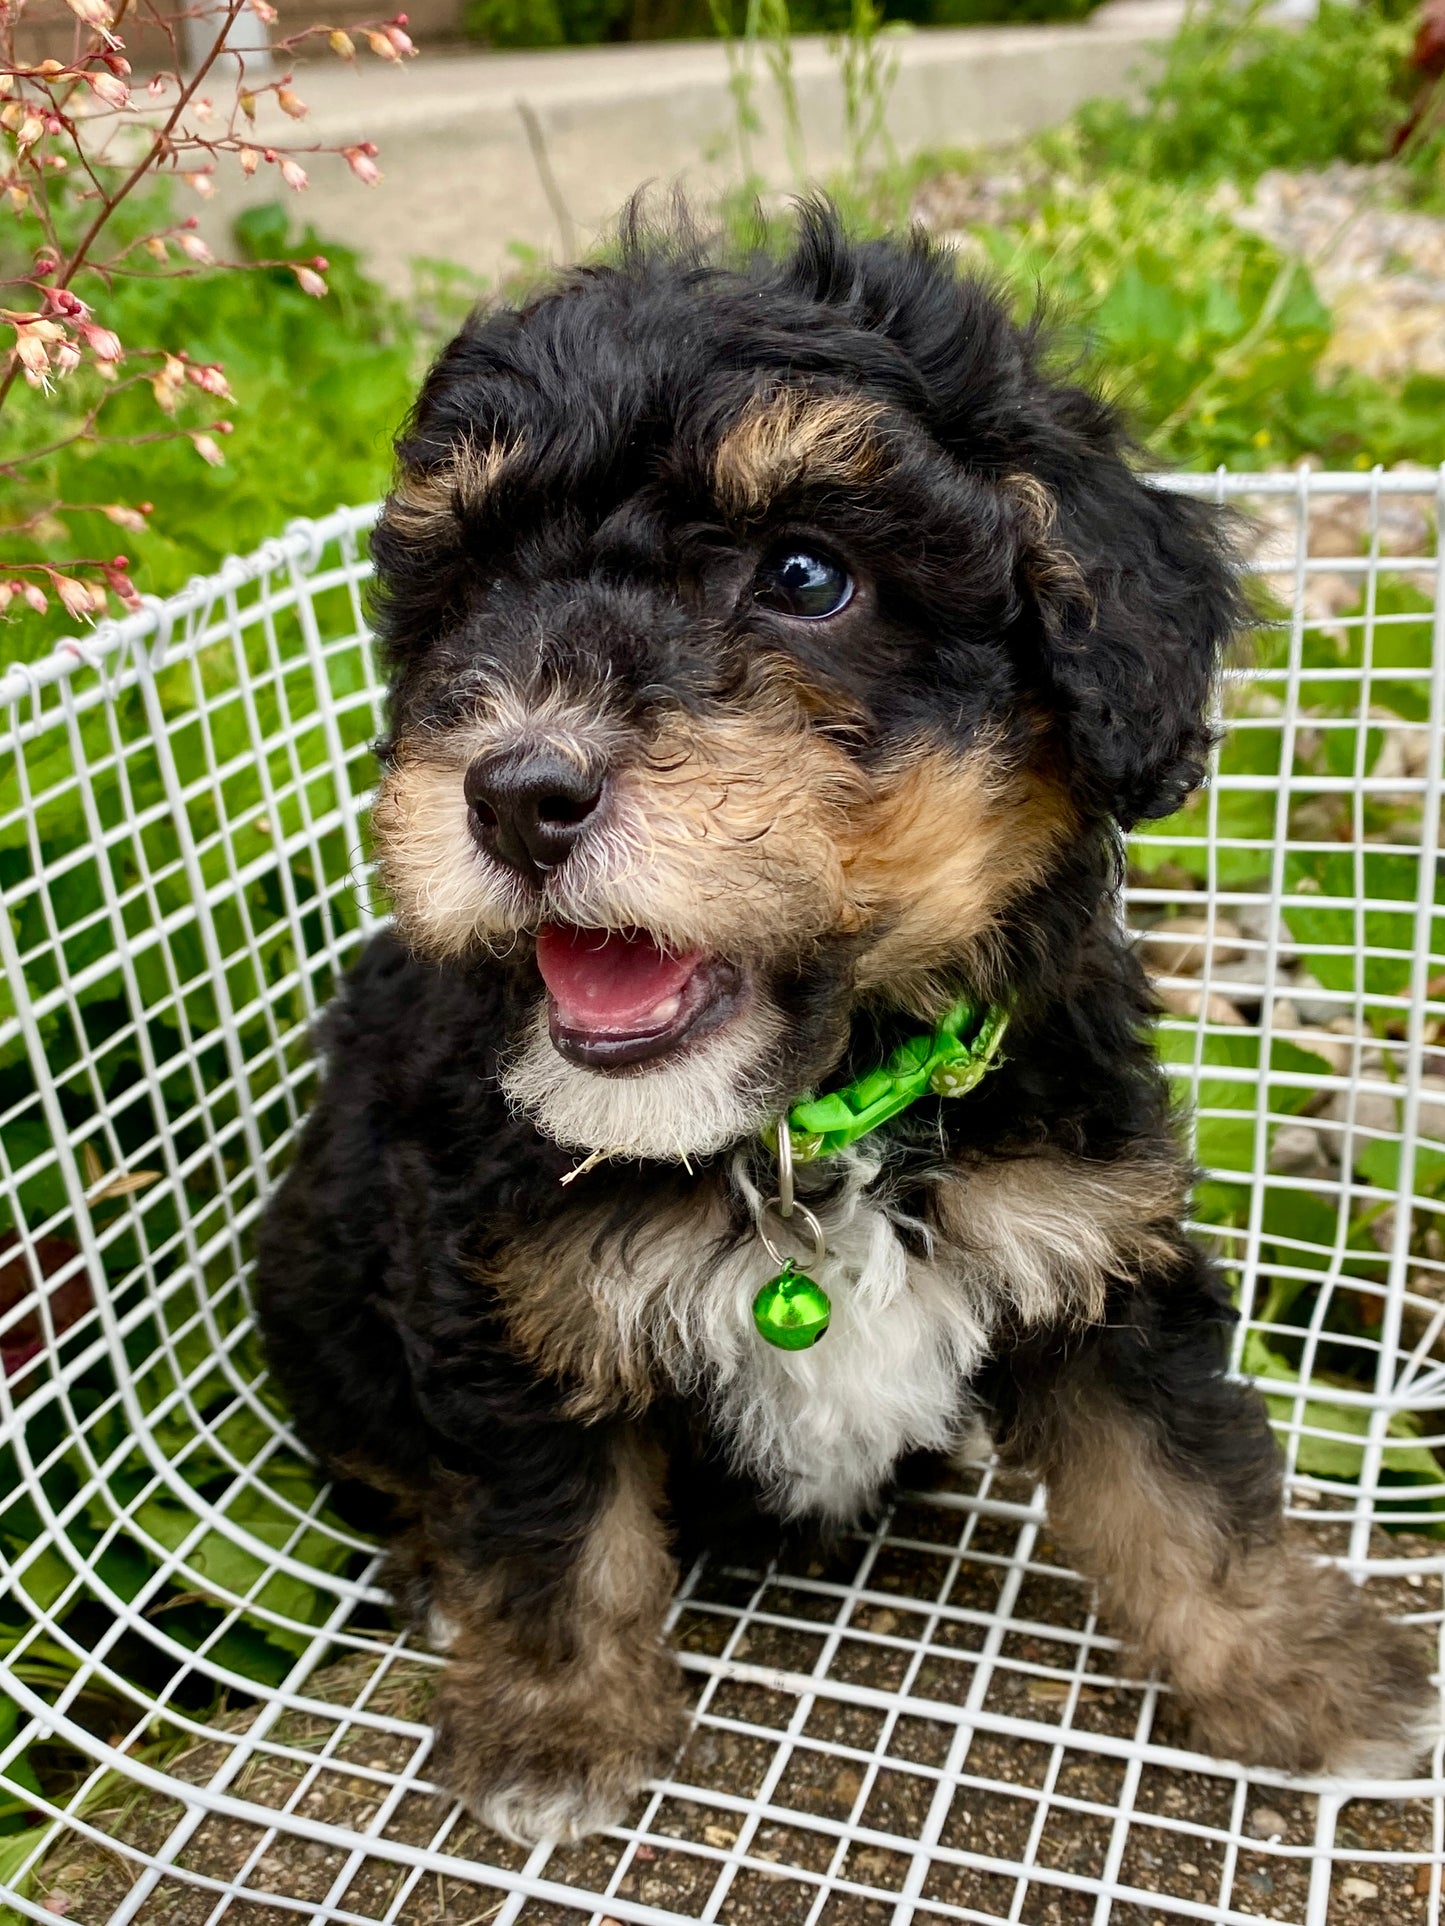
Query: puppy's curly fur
{"x": 793, "y": 622}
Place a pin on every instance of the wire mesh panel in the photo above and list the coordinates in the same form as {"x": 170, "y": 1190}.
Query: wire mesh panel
{"x": 205, "y": 1714}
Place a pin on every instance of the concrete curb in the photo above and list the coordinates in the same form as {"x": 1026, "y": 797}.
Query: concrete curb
{"x": 462, "y": 179}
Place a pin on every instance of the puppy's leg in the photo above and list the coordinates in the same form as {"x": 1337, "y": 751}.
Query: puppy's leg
{"x": 1164, "y": 1486}
{"x": 559, "y": 1699}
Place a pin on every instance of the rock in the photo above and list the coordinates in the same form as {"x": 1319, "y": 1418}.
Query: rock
{"x": 1362, "y": 1108}
{"x": 1298, "y": 1151}
{"x": 1337, "y": 524}
{"x": 1314, "y": 1003}
{"x": 1265, "y": 1823}
{"x": 1359, "y": 1889}
{"x": 1259, "y": 920}
{"x": 1183, "y": 1000}
{"x": 1329, "y": 594}
{"x": 1178, "y": 946}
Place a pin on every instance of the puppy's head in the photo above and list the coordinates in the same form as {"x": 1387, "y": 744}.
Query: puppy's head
{"x": 761, "y": 639}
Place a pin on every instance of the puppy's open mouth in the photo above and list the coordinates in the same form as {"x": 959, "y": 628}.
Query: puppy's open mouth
{"x": 617, "y": 997}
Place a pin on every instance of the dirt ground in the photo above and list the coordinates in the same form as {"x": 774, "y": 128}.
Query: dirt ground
{"x": 865, "y": 1766}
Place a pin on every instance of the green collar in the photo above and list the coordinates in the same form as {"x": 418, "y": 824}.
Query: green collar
{"x": 948, "y": 1062}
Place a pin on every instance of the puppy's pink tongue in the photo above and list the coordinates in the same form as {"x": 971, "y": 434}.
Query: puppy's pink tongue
{"x": 610, "y": 981}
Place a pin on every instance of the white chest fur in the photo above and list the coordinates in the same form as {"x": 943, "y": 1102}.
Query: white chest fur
{"x": 820, "y": 1430}
{"x": 1037, "y": 1237}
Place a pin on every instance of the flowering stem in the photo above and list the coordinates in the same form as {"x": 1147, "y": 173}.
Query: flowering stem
{"x": 136, "y": 175}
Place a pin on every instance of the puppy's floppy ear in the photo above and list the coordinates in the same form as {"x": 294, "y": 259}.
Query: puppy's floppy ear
{"x": 1136, "y": 598}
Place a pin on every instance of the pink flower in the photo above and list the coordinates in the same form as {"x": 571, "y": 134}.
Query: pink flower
{"x": 202, "y": 183}
{"x": 293, "y": 173}
{"x": 400, "y": 41}
{"x": 210, "y": 380}
{"x": 291, "y": 103}
{"x": 359, "y": 160}
{"x": 35, "y": 596}
{"x": 264, "y": 11}
{"x": 249, "y": 160}
{"x": 382, "y": 47}
{"x": 32, "y": 352}
{"x": 310, "y": 281}
{"x": 67, "y": 358}
{"x": 94, "y": 13}
{"x": 103, "y": 343}
{"x": 76, "y": 596}
{"x": 208, "y": 450}
{"x": 62, "y": 300}
{"x": 113, "y": 92}
{"x": 195, "y": 249}
{"x": 29, "y": 131}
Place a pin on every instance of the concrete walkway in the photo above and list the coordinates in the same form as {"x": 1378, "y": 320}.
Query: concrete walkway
{"x": 463, "y": 172}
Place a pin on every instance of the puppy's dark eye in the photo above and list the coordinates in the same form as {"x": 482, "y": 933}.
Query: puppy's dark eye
{"x": 795, "y": 581}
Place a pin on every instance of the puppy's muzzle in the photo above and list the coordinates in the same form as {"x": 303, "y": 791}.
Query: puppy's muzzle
{"x": 530, "y": 807}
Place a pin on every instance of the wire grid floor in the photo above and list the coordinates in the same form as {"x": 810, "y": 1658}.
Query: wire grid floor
{"x": 204, "y": 1714}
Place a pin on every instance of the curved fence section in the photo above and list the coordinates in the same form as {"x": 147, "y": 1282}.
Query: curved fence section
{"x": 205, "y": 1714}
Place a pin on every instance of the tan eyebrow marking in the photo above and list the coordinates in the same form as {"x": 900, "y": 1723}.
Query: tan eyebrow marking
{"x": 789, "y": 435}
{"x": 427, "y": 504}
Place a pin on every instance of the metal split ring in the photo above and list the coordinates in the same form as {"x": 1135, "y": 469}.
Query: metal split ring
{"x": 820, "y": 1243}
{"x": 785, "y": 1171}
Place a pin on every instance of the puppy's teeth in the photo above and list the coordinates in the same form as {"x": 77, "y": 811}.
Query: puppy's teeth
{"x": 665, "y": 1011}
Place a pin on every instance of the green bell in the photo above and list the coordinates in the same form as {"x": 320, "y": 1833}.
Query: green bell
{"x": 792, "y": 1311}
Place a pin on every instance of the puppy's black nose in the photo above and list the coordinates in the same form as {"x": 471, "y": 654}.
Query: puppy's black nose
{"x": 528, "y": 807}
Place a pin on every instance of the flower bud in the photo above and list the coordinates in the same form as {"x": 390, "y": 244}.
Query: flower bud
{"x": 291, "y": 103}
{"x": 35, "y": 596}
{"x": 264, "y": 11}
{"x": 249, "y": 160}
{"x": 342, "y": 44}
{"x": 155, "y": 246}
{"x": 361, "y": 164}
{"x": 67, "y": 358}
{"x": 202, "y": 183}
{"x": 401, "y": 42}
{"x": 208, "y": 450}
{"x": 310, "y": 281}
{"x": 382, "y": 47}
{"x": 126, "y": 517}
{"x": 246, "y": 100}
{"x": 167, "y": 381}
{"x": 293, "y": 173}
{"x": 195, "y": 249}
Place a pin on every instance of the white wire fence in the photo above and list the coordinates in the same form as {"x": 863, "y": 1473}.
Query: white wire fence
{"x": 205, "y": 1715}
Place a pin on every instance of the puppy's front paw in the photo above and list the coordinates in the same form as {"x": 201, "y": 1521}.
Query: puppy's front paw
{"x": 558, "y": 1771}
{"x": 1335, "y": 1689}
{"x": 535, "y": 1809}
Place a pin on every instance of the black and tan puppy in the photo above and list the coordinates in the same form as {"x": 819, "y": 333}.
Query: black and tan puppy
{"x": 776, "y": 655}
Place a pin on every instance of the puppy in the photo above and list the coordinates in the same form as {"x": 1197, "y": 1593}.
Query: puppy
{"x": 777, "y": 653}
